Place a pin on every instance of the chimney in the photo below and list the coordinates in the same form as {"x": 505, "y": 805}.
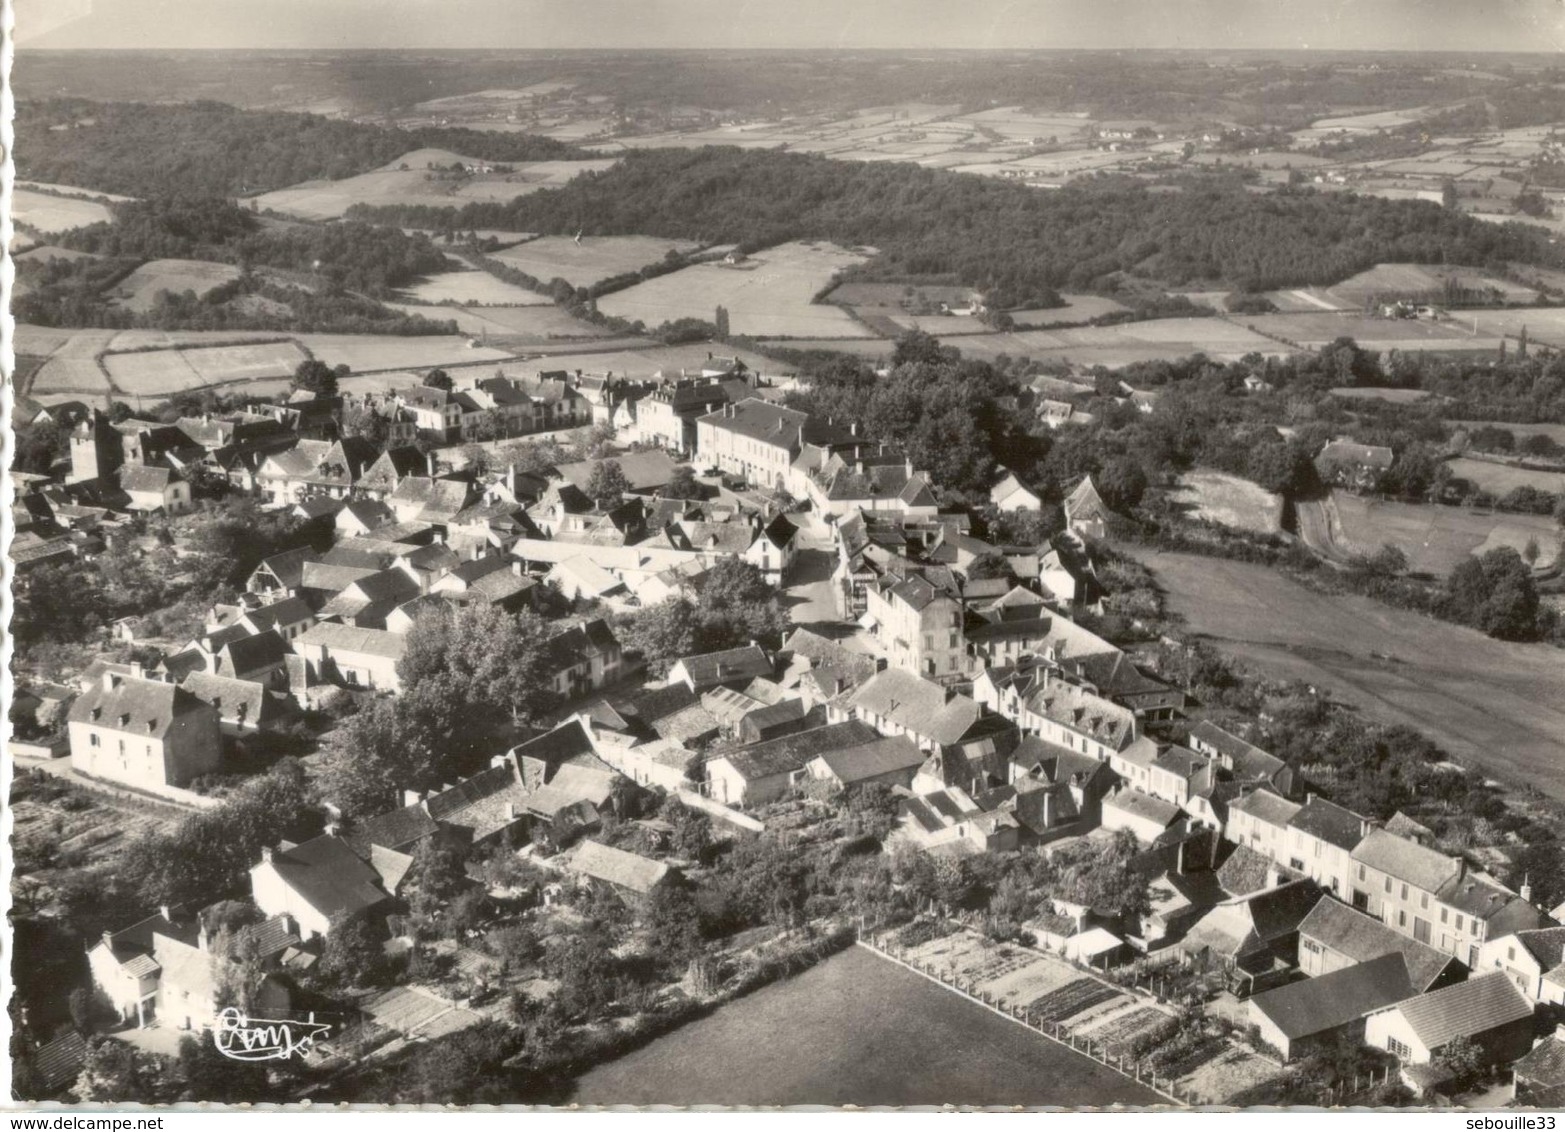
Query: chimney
{"x": 510, "y": 811}
{"x": 1525, "y": 892}
{"x": 163, "y": 911}
{"x": 108, "y": 939}
{"x": 266, "y": 854}
{"x": 429, "y": 461}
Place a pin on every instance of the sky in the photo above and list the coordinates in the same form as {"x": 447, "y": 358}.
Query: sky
{"x": 1421, "y": 25}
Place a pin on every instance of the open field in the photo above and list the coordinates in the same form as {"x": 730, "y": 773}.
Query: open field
{"x": 1234, "y": 502}
{"x": 1388, "y": 279}
{"x": 376, "y": 351}
{"x": 1434, "y": 538}
{"x": 51, "y": 214}
{"x": 845, "y": 1032}
{"x": 138, "y": 290}
{"x": 469, "y": 285}
{"x": 768, "y": 294}
{"x": 894, "y": 296}
{"x": 1544, "y": 324}
{"x": 417, "y": 184}
{"x": 1497, "y": 479}
{"x": 169, "y": 371}
{"x": 1312, "y": 330}
{"x": 594, "y": 259}
{"x": 71, "y": 365}
{"x": 1500, "y": 705}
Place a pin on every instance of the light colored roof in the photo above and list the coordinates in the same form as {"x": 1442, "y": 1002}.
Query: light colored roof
{"x": 886, "y": 756}
{"x": 617, "y": 867}
{"x": 327, "y": 874}
{"x": 1464, "y": 1009}
{"x": 792, "y": 752}
{"x": 1132, "y": 801}
{"x": 346, "y": 638}
{"x": 1265, "y": 806}
{"x": 1406, "y": 860}
{"x": 914, "y": 703}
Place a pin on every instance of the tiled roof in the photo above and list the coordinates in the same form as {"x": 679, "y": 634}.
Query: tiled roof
{"x": 1546, "y": 945}
{"x": 228, "y": 695}
{"x": 792, "y": 752}
{"x": 923, "y": 708}
{"x": 885, "y": 756}
{"x": 761, "y": 421}
{"x": 1085, "y": 713}
{"x": 395, "y": 830}
{"x": 615, "y": 866}
{"x": 643, "y": 471}
{"x": 1330, "y": 823}
{"x": 1347, "y": 452}
{"x": 247, "y": 654}
{"x": 1464, "y": 1009}
{"x": 58, "y": 1063}
{"x": 1362, "y": 938}
{"x": 1330, "y": 1001}
{"x": 1132, "y": 801}
{"x": 345, "y": 638}
{"x": 745, "y": 662}
{"x": 329, "y": 876}
{"x": 1544, "y": 1066}
{"x": 136, "y": 706}
{"x": 1085, "y": 502}
{"x": 268, "y": 937}
{"x": 1267, "y": 807}
{"x": 1406, "y": 860}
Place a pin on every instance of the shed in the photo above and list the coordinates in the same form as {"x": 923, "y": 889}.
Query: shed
{"x": 1297, "y": 1016}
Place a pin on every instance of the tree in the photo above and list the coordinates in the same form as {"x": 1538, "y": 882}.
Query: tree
{"x": 607, "y": 485}
{"x": 206, "y": 1075}
{"x": 988, "y": 566}
{"x": 661, "y": 633}
{"x": 1531, "y": 551}
{"x": 116, "y": 1072}
{"x": 720, "y": 320}
{"x": 1121, "y": 484}
{"x": 1462, "y": 1057}
{"x": 1448, "y": 197}
{"x": 314, "y": 376}
{"x": 735, "y": 604}
{"x": 439, "y": 379}
{"x": 683, "y": 484}
{"x": 368, "y": 424}
{"x": 353, "y": 956}
{"x": 377, "y": 752}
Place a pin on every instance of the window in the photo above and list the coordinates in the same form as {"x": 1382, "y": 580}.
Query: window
{"x": 1388, "y": 886}
{"x": 1361, "y": 872}
{"x": 1510, "y": 953}
{"x": 1459, "y": 923}
{"x": 1404, "y": 892}
{"x": 1312, "y": 947}
{"x": 1423, "y": 900}
{"x": 1401, "y": 918}
{"x": 1443, "y": 912}
{"x": 1398, "y": 1049}
{"x": 92, "y": 740}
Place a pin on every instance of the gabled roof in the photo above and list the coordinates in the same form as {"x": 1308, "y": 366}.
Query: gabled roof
{"x": 228, "y": 696}
{"x": 925, "y": 709}
{"x": 144, "y": 708}
{"x": 1348, "y": 452}
{"x": 1265, "y": 806}
{"x": 761, "y": 421}
{"x": 1085, "y": 502}
{"x": 1546, "y": 945}
{"x": 144, "y": 477}
{"x": 346, "y": 638}
{"x": 395, "y": 830}
{"x": 743, "y": 663}
{"x": 1464, "y": 1009}
{"x": 1362, "y": 938}
{"x": 1545, "y": 1065}
{"x": 329, "y": 578}
{"x": 1133, "y": 802}
{"x": 792, "y": 752}
{"x": 58, "y": 1063}
{"x": 884, "y": 756}
{"x": 287, "y": 567}
{"x": 643, "y": 471}
{"x": 1318, "y": 1005}
{"x": 250, "y": 653}
{"x": 328, "y": 876}
{"x": 629, "y": 871}
{"x": 288, "y": 611}
{"x": 1405, "y": 860}
{"x": 1330, "y": 823}
{"x": 1085, "y": 713}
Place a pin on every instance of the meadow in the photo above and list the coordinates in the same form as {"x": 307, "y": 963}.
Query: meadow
{"x": 1499, "y": 705}
{"x": 1230, "y": 500}
{"x": 592, "y": 260}
{"x": 170, "y": 371}
{"x": 767, "y": 295}
{"x": 51, "y": 214}
{"x": 1434, "y": 538}
{"x": 138, "y": 291}
{"x": 468, "y": 285}
{"x": 1497, "y": 479}
{"x": 417, "y": 184}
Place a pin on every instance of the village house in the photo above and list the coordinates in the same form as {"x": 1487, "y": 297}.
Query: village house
{"x": 1359, "y": 467}
{"x": 756, "y": 441}
{"x": 630, "y": 876}
{"x": 1436, "y": 899}
{"x": 732, "y": 668}
{"x": 244, "y": 707}
{"x": 937, "y": 719}
{"x": 352, "y": 657}
{"x": 917, "y": 626}
{"x": 1085, "y": 512}
{"x": 764, "y": 772}
{"x": 143, "y": 733}
{"x": 1011, "y": 495}
{"x": 154, "y": 490}
{"x": 313, "y": 882}
{"x": 1147, "y": 818}
{"x": 1487, "y": 1010}
{"x": 667, "y": 416}
{"x": 892, "y": 761}
{"x": 1254, "y": 934}
{"x": 1334, "y": 936}
{"x": 1301, "y": 1017}
{"x": 1532, "y": 959}
{"x": 587, "y": 656}
{"x": 1245, "y": 761}
{"x": 443, "y": 415}
{"x": 1165, "y": 771}
{"x": 1538, "y": 1079}
{"x": 950, "y": 820}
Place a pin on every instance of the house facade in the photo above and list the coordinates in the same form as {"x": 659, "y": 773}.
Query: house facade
{"x": 143, "y": 733}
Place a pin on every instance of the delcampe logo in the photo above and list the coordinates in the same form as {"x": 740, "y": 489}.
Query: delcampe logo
{"x": 243, "y": 1038}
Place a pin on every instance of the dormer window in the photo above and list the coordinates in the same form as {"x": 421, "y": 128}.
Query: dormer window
{"x": 152, "y": 725}
{"x": 96, "y": 712}
{"x": 125, "y": 719}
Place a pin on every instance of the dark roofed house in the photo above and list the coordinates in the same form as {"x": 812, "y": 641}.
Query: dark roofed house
{"x": 1255, "y": 933}
{"x": 763, "y": 772}
{"x": 1246, "y": 761}
{"x": 243, "y": 706}
{"x": 143, "y": 733}
{"x": 258, "y": 657}
{"x": 630, "y": 875}
{"x": 1356, "y": 466}
{"x": 892, "y": 761}
{"x": 57, "y": 1064}
{"x": 1301, "y": 1016}
{"x": 732, "y": 667}
{"x": 314, "y": 882}
{"x": 1540, "y": 1075}
{"x": 1334, "y": 936}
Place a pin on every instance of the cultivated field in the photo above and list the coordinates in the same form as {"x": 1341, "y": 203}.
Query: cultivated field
{"x": 1555, "y": 432}
{"x": 594, "y": 259}
{"x": 1388, "y": 279}
{"x": 138, "y": 290}
{"x": 768, "y": 294}
{"x": 1435, "y": 539}
{"x": 51, "y": 214}
{"x": 1234, "y": 502}
{"x": 469, "y": 285}
{"x": 169, "y": 371}
{"x": 417, "y": 184}
{"x": 71, "y": 358}
{"x": 361, "y": 352}
{"x": 1497, "y": 479}
{"x": 1393, "y": 396}
{"x": 1543, "y": 324}
{"x": 1501, "y": 705}
{"x": 1314, "y": 330}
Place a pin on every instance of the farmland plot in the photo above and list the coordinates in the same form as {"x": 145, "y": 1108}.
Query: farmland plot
{"x": 170, "y": 371}
{"x": 45, "y": 252}
{"x": 594, "y": 259}
{"x": 1387, "y": 279}
{"x": 362, "y": 352}
{"x": 418, "y": 184}
{"x": 471, "y": 286}
{"x": 1234, "y": 502}
{"x": 1435, "y": 539}
{"x": 71, "y": 365}
{"x": 52, "y": 214}
{"x": 1497, "y": 479}
{"x": 1311, "y": 331}
{"x": 138, "y": 291}
{"x": 767, "y": 295}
